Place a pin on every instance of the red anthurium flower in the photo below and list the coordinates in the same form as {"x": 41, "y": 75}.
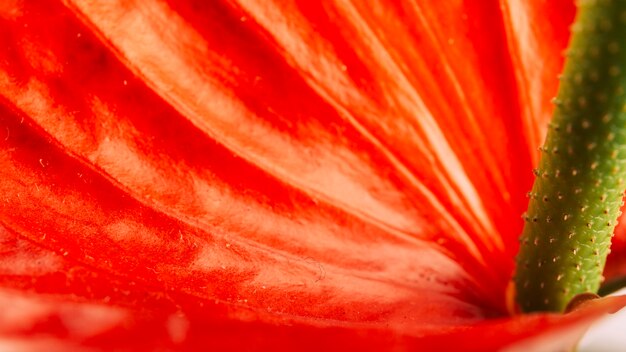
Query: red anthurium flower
{"x": 259, "y": 174}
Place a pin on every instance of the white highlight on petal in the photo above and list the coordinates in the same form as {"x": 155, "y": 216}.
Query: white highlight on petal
{"x": 606, "y": 335}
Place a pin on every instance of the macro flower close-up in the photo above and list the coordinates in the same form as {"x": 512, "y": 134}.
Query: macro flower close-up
{"x": 300, "y": 175}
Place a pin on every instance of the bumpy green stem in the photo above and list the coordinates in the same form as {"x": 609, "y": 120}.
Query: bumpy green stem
{"x": 576, "y": 198}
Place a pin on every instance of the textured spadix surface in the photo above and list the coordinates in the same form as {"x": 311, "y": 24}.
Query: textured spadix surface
{"x": 580, "y": 182}
{"x": 259, "y": 174}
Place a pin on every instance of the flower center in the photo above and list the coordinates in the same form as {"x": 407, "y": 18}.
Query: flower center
{"x": 578, "y": 191}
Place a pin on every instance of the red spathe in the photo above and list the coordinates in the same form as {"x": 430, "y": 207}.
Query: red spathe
{"x": 257, "y": 174}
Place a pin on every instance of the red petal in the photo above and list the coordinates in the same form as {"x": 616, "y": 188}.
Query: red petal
{"x": 616, "y": 262}
{"x": 402, "y": 171}
{"x": 163, "y": 170}
{"x": 538, "y": 33}
{"x": 215, "y": 165}
{"x": 107, "y": 311}
{"x": 58, "y": 202}
{"x": 355, "y": 90}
